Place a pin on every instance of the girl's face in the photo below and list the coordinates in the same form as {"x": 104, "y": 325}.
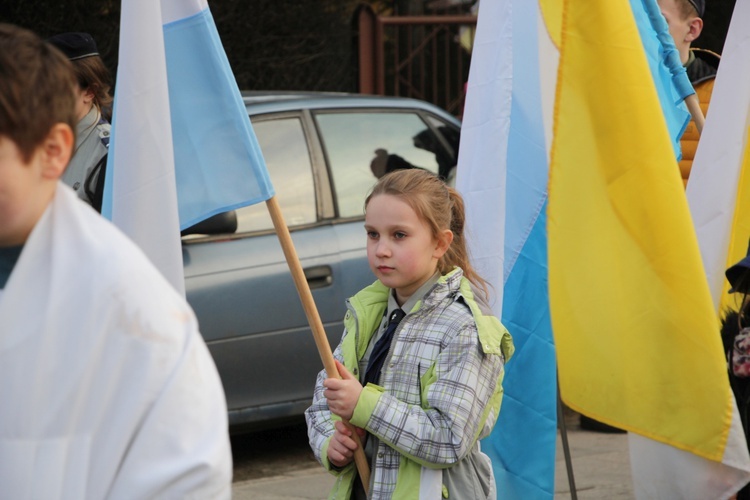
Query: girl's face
{"x": 401, "y": 250}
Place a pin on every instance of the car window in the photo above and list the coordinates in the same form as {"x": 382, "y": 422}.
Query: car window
{"x": 282, "y": 141}
{"x": 363, "y": 146}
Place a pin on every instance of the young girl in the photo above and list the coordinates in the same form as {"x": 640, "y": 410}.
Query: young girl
{"x": 424, "y": 391}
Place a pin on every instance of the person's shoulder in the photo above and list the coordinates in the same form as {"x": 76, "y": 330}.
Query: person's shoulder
{"x": 125, "y": 277}
{"x": 704, "y": 66}
{"x": 459, "y": 314}
{"x": 708, "y": 56}
{"x": 102, "y": 241}
{"x": 120, "y": 259}
{"x": 372, "y": 294}
{"x": 459, "y": 289}
{"x": 452, "y": 309}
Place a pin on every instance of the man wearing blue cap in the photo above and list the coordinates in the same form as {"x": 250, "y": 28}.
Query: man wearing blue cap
{"x": 93, "y": 108}
{"x": 684, "y": 18}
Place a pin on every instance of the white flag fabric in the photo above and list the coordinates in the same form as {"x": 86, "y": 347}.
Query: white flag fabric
{"x": 719, "y": 189}
{"x": 140, "y": 190}
{"x": 503, "y": 175}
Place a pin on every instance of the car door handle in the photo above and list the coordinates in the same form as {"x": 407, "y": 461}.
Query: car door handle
{"x": 319, "y": 276}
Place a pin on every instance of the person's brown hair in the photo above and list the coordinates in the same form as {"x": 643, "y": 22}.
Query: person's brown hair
{"x": 92, "y": 74}
{"x": 440, "y": 207}
{"x": 37, "y": 89}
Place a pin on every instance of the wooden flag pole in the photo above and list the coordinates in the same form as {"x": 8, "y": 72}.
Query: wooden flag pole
{"x": 319, "y": 334}
{"x": 694, "y": 106}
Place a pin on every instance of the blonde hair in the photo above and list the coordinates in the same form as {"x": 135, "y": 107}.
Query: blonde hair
{"x": 437, "y": 205}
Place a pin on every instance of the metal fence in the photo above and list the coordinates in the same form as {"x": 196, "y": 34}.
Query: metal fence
{"x": 425, "y": 57}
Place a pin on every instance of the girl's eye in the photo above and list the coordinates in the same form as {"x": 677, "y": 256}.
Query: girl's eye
{"x": 372, "y": 235}
{"x": 399, "y": 235}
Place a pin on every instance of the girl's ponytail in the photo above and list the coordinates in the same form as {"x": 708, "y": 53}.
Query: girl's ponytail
{"x": 458, "y": 253}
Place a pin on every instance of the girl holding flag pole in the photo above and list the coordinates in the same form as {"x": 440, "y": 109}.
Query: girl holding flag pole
{"x": 421, "y": 358}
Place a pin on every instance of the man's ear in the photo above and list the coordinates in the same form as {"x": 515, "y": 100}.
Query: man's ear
{"x": 444, "y": 240}
{"x": 696, "y": 27}
{"x": 57, "y": 149}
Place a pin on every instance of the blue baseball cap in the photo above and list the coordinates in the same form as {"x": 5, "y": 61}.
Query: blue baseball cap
{"x": 75, "y": 45}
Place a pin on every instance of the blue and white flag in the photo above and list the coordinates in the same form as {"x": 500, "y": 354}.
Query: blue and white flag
{"x": 182, "y": 146}
{"x": 503, "y": 174}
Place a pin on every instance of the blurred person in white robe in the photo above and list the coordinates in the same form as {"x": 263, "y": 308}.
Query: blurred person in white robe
{"x": 107, "y": 389}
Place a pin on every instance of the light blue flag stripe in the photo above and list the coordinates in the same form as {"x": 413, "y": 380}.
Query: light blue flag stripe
{"x": 108, "y": 183}
{"x": 670, "y": 78}
{"x": 218, "y": 162}
{"x": 522, "y": 445}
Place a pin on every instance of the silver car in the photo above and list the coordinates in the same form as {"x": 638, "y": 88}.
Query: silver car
{"x": 323, "y": 152}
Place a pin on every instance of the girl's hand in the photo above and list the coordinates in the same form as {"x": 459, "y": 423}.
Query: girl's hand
{"x": 342, "y": 395}
{"x": 341, "y": 447}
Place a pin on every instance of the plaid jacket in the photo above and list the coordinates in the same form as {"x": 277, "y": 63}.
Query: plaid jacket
{"x": 441, "y": 391}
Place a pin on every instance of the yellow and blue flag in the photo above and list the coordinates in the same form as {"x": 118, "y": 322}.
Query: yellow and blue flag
{"x": 577, "y": 215}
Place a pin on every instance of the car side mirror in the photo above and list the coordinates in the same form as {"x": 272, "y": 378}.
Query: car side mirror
{"x": 223, "y": 223}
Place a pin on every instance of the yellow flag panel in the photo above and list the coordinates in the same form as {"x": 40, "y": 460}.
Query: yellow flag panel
{"x": 637, "y": 339}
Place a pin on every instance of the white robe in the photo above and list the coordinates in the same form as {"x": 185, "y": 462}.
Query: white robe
{"x": 107, "y": 389}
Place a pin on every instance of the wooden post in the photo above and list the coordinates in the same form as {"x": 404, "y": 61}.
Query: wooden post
{"x": 367, "y": 20}
{"x": 694, "y": 106}
{"x": 319, "y": 334}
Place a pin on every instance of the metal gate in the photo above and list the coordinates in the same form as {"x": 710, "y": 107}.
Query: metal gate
{"x": 425, "y": 57}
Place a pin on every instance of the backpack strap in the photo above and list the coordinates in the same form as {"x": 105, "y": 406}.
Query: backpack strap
{"x": 94, "y": 183}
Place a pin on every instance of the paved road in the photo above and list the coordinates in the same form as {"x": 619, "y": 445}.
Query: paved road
{"x": 277, "y": 465}
{"x": 272, "y": 453}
